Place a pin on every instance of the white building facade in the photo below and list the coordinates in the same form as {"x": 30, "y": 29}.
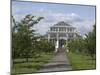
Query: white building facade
{"x": 61, "y": 32}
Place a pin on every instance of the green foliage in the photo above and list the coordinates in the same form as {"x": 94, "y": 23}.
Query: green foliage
{"x": 23, "y": 37}
{"x": 81, "y": 61}
{"x": 44, "y": 46}
{"x": 91, "y": 42}
{"x": 85, "y": 45}
{"x": 33, "y": 64}
{"x": 76, "y": 45}
{"x": 24, "y": 42}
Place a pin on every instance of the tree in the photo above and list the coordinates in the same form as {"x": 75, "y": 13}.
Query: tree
{"x": 91, "y": 42}
{"x": 76, "y": 45}
{"x": 84, "y": 45}
{"x": 23, "y": 36}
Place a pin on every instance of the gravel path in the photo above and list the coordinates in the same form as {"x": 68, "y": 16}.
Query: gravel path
{"x": 58, "y": 63}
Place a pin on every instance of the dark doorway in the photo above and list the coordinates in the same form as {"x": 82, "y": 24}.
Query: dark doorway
{"x": 61, "y": 43}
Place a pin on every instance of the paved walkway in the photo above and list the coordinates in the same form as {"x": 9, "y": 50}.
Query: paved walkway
{"x": 58, "y": 63}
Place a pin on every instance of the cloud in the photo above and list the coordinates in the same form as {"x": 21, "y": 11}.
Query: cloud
{"x": 51, "y": 17}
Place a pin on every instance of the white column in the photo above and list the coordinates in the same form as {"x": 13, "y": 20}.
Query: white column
{"x": 58, "y": 39}
{"x": 56, "y": 44}
{"x": 48, "y": 37}
{"x": 58, "y": 29}
{"x": 74, "y": 35}
{"x": 66, "y": 36}
{"x": 57, "y": 36}
{"x": 66, "y": 29}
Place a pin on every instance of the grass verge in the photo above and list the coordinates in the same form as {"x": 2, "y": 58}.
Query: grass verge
{"x": 81, "y": 61}
{"x": 22, "y": 67}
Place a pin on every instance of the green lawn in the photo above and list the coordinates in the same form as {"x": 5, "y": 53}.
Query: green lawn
{"x": 34, "y": 64}
{"x": 81, "y": 62}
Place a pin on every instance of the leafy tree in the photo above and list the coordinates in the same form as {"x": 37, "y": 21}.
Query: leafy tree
{"x": 76, "y": 45}
{"x": 84, "y": 45}
{"x": 23, "y": 36}
{"x": 91, "y": 41}
{"x": 43, "y": 46}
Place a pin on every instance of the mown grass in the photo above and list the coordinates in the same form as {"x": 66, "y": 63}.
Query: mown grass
{"x": 20, "y": 66}
{"x": 81, "y": 61}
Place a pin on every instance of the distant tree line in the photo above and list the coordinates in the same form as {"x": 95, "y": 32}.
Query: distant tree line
{"x": 86, "y": 45}
{"x": 24, "y": 41}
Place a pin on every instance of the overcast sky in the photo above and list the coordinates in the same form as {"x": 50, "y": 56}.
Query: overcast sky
{"x": 79, "y": 16}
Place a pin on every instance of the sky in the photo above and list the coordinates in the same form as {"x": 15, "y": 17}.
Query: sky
{"x": 80, "y": 16}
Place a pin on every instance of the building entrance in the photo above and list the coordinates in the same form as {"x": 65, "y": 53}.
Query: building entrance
{"x": 61, "y": 43}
